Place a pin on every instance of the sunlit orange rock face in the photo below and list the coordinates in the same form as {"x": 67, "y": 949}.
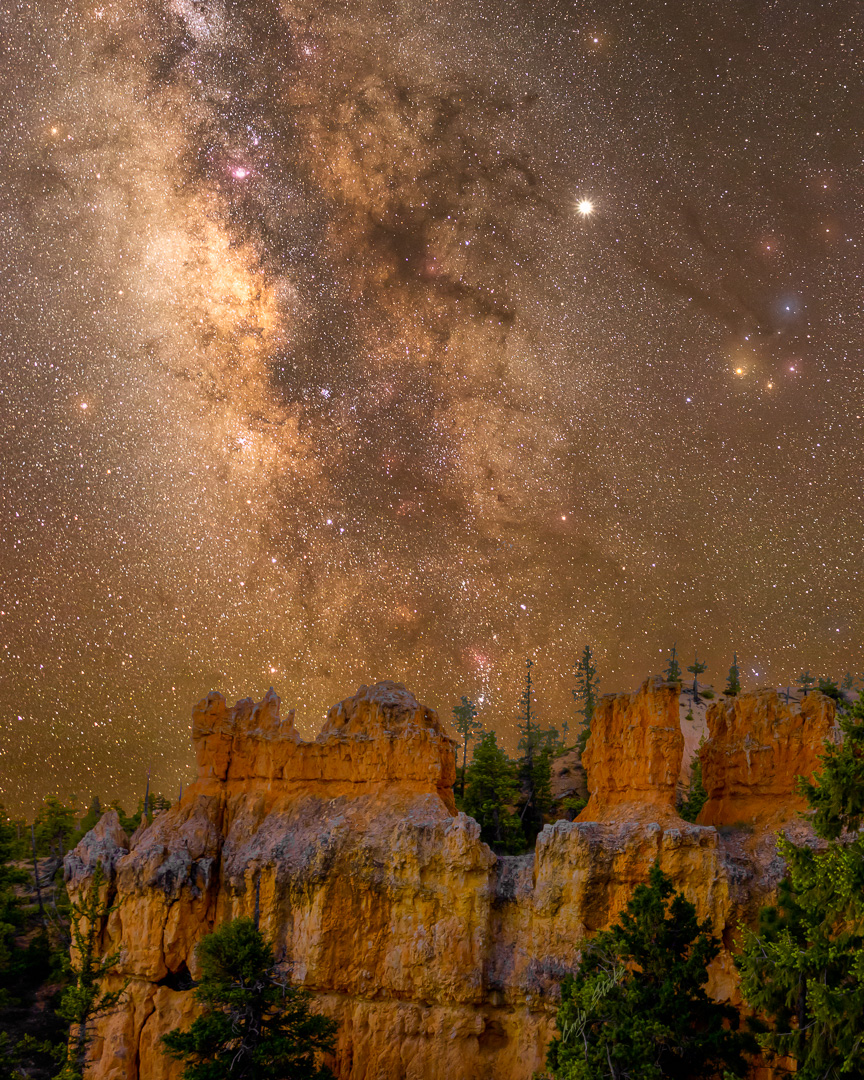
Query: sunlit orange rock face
{"x": 633, "y": 757}
{"x": 758, "y": 744}
{"x": 436, "y": 958}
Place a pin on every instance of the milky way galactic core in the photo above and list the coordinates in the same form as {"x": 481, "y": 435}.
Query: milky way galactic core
{"x": 346, "y": 341}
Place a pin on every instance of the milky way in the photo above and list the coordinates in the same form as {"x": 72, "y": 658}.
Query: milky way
{"x": 314, "y": 373}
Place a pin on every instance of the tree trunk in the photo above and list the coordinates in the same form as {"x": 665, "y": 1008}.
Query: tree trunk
{"x": 36, "y": 878}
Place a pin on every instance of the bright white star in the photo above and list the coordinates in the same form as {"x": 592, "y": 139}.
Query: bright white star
{"x": 585, "y": 207}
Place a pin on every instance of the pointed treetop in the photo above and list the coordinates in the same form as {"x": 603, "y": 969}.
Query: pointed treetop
{"x": 733, "y": 682}
{"x": 673, "y": 668}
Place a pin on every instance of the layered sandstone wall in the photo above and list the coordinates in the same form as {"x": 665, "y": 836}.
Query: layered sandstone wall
{"x": 758, "y": 744}
{"x": 633, "y": 758}
{"x": 436, "y": 957}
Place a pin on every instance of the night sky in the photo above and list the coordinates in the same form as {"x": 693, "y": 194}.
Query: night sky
{"x": 354, "y": 340}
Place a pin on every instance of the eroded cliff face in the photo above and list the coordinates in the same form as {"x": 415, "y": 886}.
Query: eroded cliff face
{"x": 633, "y": 758}
{"x": 758, "y": 744}
{"x": 437, "y": 958}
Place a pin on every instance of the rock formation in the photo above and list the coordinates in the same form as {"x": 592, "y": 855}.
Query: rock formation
{"x": 758, "y": 744}
{"x": 633, "y": 757}
{"x": 437, "y": 958}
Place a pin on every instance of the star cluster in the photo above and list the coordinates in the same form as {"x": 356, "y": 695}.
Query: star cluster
{"x": 353, "y": 340}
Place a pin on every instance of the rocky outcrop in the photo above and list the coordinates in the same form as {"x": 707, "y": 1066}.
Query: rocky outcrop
{"x": 758, "y": 744}
{"x": 633, "y": 757}
{"x": 436, "y": 957}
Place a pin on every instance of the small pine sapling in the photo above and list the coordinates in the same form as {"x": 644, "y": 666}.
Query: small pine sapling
{"x": 696, "y": 669}
{"x": 733, "y": 682}
{"x": 673, "y": 668}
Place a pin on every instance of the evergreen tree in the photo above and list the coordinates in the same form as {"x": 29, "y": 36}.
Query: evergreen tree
{"x": 91, "y": 818}
{"x": 637, "y": 1007}
{"x": 86, "y": 999}
{"x": 836, "y": 794}
{"x": 585, "y": 693}
{"x": 467, "y": 726}
{"x": 255, "y": 1025}
{"x": 673, "y": 668}
{"x": 829, "y": 688}
{"x": 848, "y": 682}
{"x": 733, "y": 683}
{"x": 803, "y": 969}
{"x": 805, "y": 681}
{"x": 696, "y": 669}
{"x": 535, "y": 770}
{"x": 490, "y": 794}
{"x": 535, "y": 808}
{"x": 54, "y": 827}
{"x": 11, "y": 913}
{"x": 697, "y": 796}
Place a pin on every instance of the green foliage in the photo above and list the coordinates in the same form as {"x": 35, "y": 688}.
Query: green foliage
{"x": 803, "y": 969}
{"x": 536, "y": 801}
{"x": 91, "y": 818}
{"x": 573, "y": 806}
{"x": 55, "y": 828}
{"x": 491, "y": 791}
{"x": 697, "y": 796}
{"x": 255, "y": 1025}
{"x": 585, "y": 692}
{"x": 468, "y": 727}
{"x": 733, "y": 681}
{"x": 535, "y": 769}
{"x": 637, "y": 1007}
{"x": 829, "y": 688}
{"x": 86, "y": 999}
{"x": 805, "y": 681}
{"x": 696, "y": 669}
{"x": 527, "y": 724}
{"x": 847, "y": 682}
{"x": 673, "y": 668}
{"x": 836, "y": 794}
{"x": 12, "y": 958}
{"x": 129, "y": 822}
{"x": 707, "y": 695}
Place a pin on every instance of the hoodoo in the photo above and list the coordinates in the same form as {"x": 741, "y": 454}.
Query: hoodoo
{"x": 436, "y": 957}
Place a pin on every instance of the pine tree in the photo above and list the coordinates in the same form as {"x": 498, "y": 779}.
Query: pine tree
{"x": 836, "y": 794}
{"x": 535, "y": 809}
{"x": 829, "y": 688}
{"x": 11, "y": 913}
{"x": 490, "y": 794}
{"x": 255, "y": 1025}
{"x": 697, "y": 796}
{"x": 637, "y": 1007}
{"x": 467, "y": 726}
{"x": 805, "y": 681}
{"x": 91, "y": 818}
{"x": 733, "y": 683}
{"x": 848, "y": 683}
{"x": 535, "y": 770}
{"x": 585, "y": 693}
{"x": 55, "y": 827}
{"x": 673, "y": 668}
{"x": 87, "y": 999}
{"x": 528, "y": 730}
{"x": 803, "y": 969}
{"x": 696, "y": 669}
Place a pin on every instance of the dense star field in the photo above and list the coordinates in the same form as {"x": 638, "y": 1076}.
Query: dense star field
{"x": 354, "y": 340}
